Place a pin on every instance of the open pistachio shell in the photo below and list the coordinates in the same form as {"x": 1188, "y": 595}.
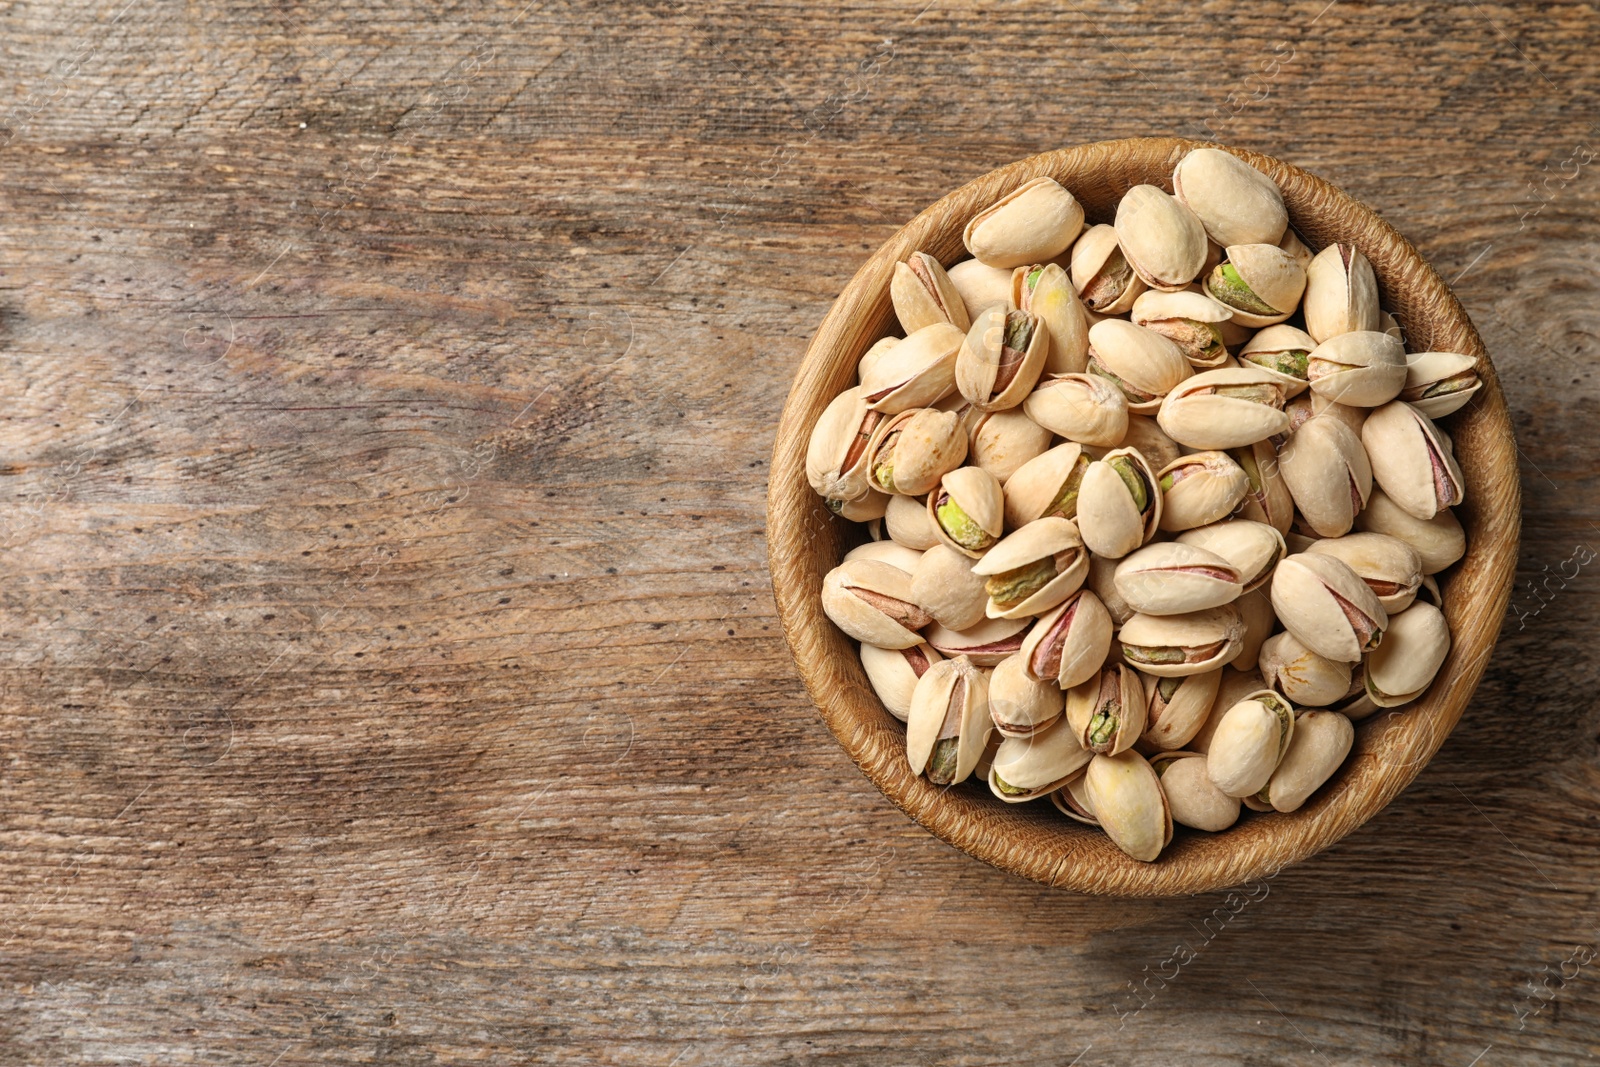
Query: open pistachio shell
{"x": 1253, "y": 548}
{"x": 1119, "y": 505}
{"x": 871, "y": 601}
{"x": 1084, "y": 408}
{"x": 948, "y": 725}
{"x": 923, "y": 294}
{"x": 1413, "y": 649}
{"x": 1250, "y": 740}
{"x": 1363, "y": 368}
{"x": 1126, "y": 797}
{"x": 915, "y": 373}
{"x": 1020, "y": 704}
{"x": 1142, "y": 363}
{"x": 1236, "y": 203}
{"x": 979, "y": 286}
{"x": 1438, "y": 383}
{"x": 1194, "y": 800}
{"x": 1106, "y": 712}
{"x": 1199, "y": 489}
{"x": 1176, "y": 708}
{"x": 893, "y": 673}
{"x": 1036, "y": 221}
{"x": 1072, "y": 800}
{"x": 1326, "y": 469}
{"x": 943, "y": 585}
{"x": 1046, "y": 485}
{"x": 1341, "y": 293}
{"x": 1439, "y": 541}
{"x": 1172, "y": 646}
{"x": 1101, "y": 274}
{"x": 1163, "y": 241}
{"x": 911, "y": 451}
{"x": 871, "y": 356}
{"x": 1226, "y": 408}
{"x": 1259, "y": 619}
{"x": 986, "y": 644}
{"x": 1045, "y": 290}
{"x": 1026, "y": 768}
{"x": 1002, "y": 441}
{"x": 1169, "y": 578}
{"x": 1268, "y": 499}
{"x": 896, "y": 555}
{"x": 1034, "y": 569}
{"x": 1300, "y": 674}
{"x": 1322, "y": 740}
{"x": 1411, "y": 460}
{"x": 836, "y": 457}
{"x": 1070, "y": 643}
{"x": 1390, "y": 566}
{"x": 1146, "y": 436}
{"x": 1001, "y": 358}
{"x": 1327, "y": 606}
{"x": 968, "y": 510}
{"x": 907, "y": 522}
{"x": 1190, "y": 320}
{"x": 1260, "y": 283}
{"x": 1282, "y": 351}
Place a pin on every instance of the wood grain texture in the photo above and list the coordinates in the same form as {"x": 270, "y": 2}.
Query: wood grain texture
{"x": 391, "y": 672}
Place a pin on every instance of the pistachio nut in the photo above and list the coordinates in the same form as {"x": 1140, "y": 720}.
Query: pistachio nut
{"x": 1119, "y": 506}
{"x": 986, "y": 644}
{"x": 1307, "y": 406}
{"x": 871, "y": 601}
{"x": 1151, "y": 441}
{"x": 1034, "y": 222}
{"x": 1225, "y": 408}
{"x": 1103, "y": 581}
{"x": 1283, "y": 352}
{"x": 1300, "y": 674}
{"x": 1250, "y": 740}
{"x": 1142, "y": 363}
{"x": 1268, "y": 499}
{"x": 1046, "y": 485}
{"x": 1070, "y": 643}
{"x": 907, "y": 522}
{"x": 1101, "y": 274}
{"x": 1072, "y": 800}
{"x": 1002, "y": 441}
{"x": 1326, "y": 469}
{"x": 836, "y": 457}
{"x": 873, "y": 354}
{"x": 1296, "y": 248}
{"x": 1260, "y": 283}
{"x": 1126, "y": 797}
{"x": 979, "y": 286}
{"x": 1440, "y": 541}
{"x": 1106, "y": 712}
{"x": 1392, "y": 568}
{"x": 1085, "y": 408}
{"x": 1413, "y": 649}
{"x": 1172, "y": 646}
{"x": 943, "y": 585}
{"x": 1020, "y": 704}
{"x": 1194, "y": 800}
{"x": 1363, "y": 368}
{"x": 911, "y": 451}
{"x": 1411, "y": 460}
{"x": 923, "y": 294}
{"x": 1169, "y": 578}
{"x": 915, "y": 373}
{"x": 1033, "y": 569}
{"x": 1438, "y": 383}
{"x": 1252, "y": 548}
{"x": 1001, "y": 358}
{"x": 1026, "y": 768}
{"x": 1236, "y": 203}
{"x": 893, "y": 673}
{"x": 1199, "y": 489}
{"x": 1162, "y": 240}
{"x": 1176, "y": 708}
{"x": 968, "y": 510}
{"x": 1235, "y": 685}
{"x": 1190, "y": 320}
{"x": 1327, "y": 606}
{"x": 1255, "y": 612}
{"x": 896, "y": 555}
{"x": 868, "y": 508}
{"x": 949, "y": 723}
{"x": 1045, "y": 290}
{"x": 1341, "y": 293}
{"x": 1322, "y": 740}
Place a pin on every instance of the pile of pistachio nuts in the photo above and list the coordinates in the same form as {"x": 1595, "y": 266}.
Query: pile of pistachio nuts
{"x": 1155, "y": 505}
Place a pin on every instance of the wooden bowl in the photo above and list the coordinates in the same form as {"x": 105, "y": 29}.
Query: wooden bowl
{"x": 1033, "y": 840}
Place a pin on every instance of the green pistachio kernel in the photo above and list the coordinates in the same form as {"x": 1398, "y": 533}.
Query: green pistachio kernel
{"x": 1032, "y": 278}
{"x": 1007, "y": 788}
{"x": 962, "y": 530}
{"x": 1257, "y": 392}
{"x": 1133, "y": 479}
{"x": 1010, "y": 588}
{"x": 1226, "y": 285}
{"x": 1156, "y": 655}
{"x": 1167, "y": 687}
{"x": 1104, "y": 723}
{"x": 1065, "y": 503}
{"x": 1246, "y": 458}
{"x": 1019, "y": 330}
{"x": 1292, "y": 364}
{"x": 942, "y": 764}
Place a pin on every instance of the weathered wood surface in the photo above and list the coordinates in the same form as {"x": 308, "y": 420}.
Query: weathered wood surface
{"x": 391, "y": 672}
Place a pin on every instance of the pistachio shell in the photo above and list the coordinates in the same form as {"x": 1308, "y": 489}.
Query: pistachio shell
{"x": 1163, "y": 241}
{"x": 1072, "y": 800}
{"x": 1176, "y": 708}
{"x": 1194, "y": 800}
{"x": 923, "y": 294}
{"x": 1321, "y": 741}
{"x": 1045, "y": 485}
{"x": 1146, "y": 436}
{"x": 1364, "y": 368}
{"x": 1251, "y": 738}
{"x": 1172, "y": 646}
{"x": 1439, "y": 541}
{"x": 873, "y": 354}
{"x": 1414, "y": 647}
{"x": 1106, "y": 712}
{"x": 1142, "y": 363}
{"x": 1235, "y": 685}
{"x": 896, "y": 555}
{"x": 1046, "y": 291}
{"x": 1168, "y": 578}
{"x": 991, "y": 373}
{"x": 836, "y": 457}
{"x": 1026, "y": 768}
{"x": 1300, "y": 674}
{"x": 974, "y": 506}
{"x": 1102, "y": 580}
{"x": 1038, "y": 566}
{"x": 1071, "y": 642}
{"x": 950, "y": 703}
{"x": 867, "y": 508}
{"x": 943, "y": 585}
{"x": 1111, "y": 520}
{"x": 911, "y": 451}
{"x": 1268, "y": 499}
{"x": 1439, "y": 383}
{"x": 1411, "y": 460}
{"x": 1341, "y": 293}
{"x": 1307, "y": 406}
{"x": 1281, "y": 351}
{"x": 979, "y": 286}
{"x": 1259, "y": 620}
{"x": 1127, "y": 799}
{"x": 1199, "y": 489}
{"x": 1327, "y": 606}
{"x": 1034, "y": 222}
{"x": 1085, "y": 408}
{"x": 907, "y": 521}
{"x": 1326, "y": 469}
{"x": 916, "y": 372}
{"x": 1236, "y": 203}
{"x": 1188, "y": 319}
{"x": 1020, "y": 704}
{"x": 1390, "y": 566}
{"x": 1226, "y": 408}
{"x": 1253, "y": 548}
{"x": 1296, "y": 248}
{"x": 986, "y": 644}
{"x": 1272, "y": 277}
{"x": 894, "y": 673}
{"x": 871, "y": 601}
{"x": 1002, "y": 441}
{"x": 1101, "y": 274}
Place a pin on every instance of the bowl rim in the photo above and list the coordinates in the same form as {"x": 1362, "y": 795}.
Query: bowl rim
{"x": 802, "y": 535}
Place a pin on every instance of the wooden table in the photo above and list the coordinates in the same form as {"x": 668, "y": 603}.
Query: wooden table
{"x": 391, "y": 671}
